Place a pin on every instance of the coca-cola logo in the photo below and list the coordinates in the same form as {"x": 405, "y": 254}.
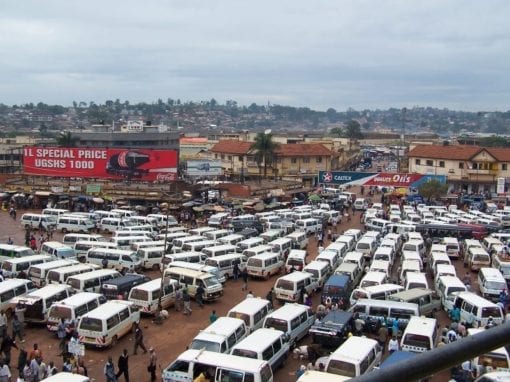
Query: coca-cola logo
{"x": 165, "y": 177}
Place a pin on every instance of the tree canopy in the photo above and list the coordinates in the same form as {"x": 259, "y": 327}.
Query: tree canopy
{"x": 66, "y": 139}
{"x": 433, "y": 189}
{"x": 264, "y": 148}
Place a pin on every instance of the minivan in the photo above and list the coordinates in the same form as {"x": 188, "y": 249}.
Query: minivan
{"x": 386, "y": 310}
{"x": 446, "y": 287}
{"x": 264, "y": 265}
{"x": 423, "y": 297}
{"x": 264, "y": 344}
{"x": 151, "y": 257}
{"x": 415, "y": 280}
{"x": 372, "y": 278}
{"x": 199, "y": 267}
{"x": 249, "y": 243}
{"x": 119, "y": 259}
{"x": 366, "y": 245}
{"x": 11, "y": 288}
{"x": 281, "y": 246}
{"x": 356, "y": 356}
{"x": 225, "y": 263}
{"x": 257, "y": 250}
{"x": 103, "y": 326}
{"x": 57, "y": 250}
{"x": 219, "y": 250}
{"x": 296, "y": 260}
{"x": 190, "y": 257}
{"x": 191, "y": 279}
{"x": 293, "y": 319}
{"x": 349, "y": 241}
{"x": 9, "y": 251}
{"x": 252, "y": 310}
{"x": 71, "y": 238}
{"x": 352, "y": 270}
{"x": 420, "y": 335}
{"x": 37, "y": 303}
{"x": 72, "y": 308}
{"x": 150, "y": 295}
{"x": 60, "y": 275}
{"x": 478, "y": 258}
{"x": 289, "y": 287}
{"x": 476, "y": 310}
{"x": 217, "y": 234}
{"x": 320, "y": 271}
{"x": 67, "y": 223}
{"x": 376, "y": 292}
{"x": 14, "y": 267}
{"x": 491, "y": 283}
{"x": 336, "y": 290}
{"x": 81, "y": 248}
{"x": 33, "y": 221}
{"x": 299, "y": 239}
{"x": 310, "y": 225}
{"x": 220, "y": 336}
{"x": 91, "y": 281}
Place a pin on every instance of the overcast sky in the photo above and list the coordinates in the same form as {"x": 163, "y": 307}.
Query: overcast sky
{"x": 320, "y": 54}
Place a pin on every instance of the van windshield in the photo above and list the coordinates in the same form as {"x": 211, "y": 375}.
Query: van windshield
{"x": 346, "y": 369}
{"x": 276, "y": 323}
{"x": 206, "y": 345}
{"x": 211, "y": 281}
{"x": 484, "y": 258}
{"x": 92, "y": 324}
{"x": 314, "y": 272}
{"x": 362, "y": 246}
{"x": 245, "y": 353}
{"x": 293, "y": 261}
{"x": 285, "y": 285}
{"x": 417, "y": 340}
{"x": 139, "y": 294}
{"x": 489, "y": 311}
{"x": 333, "y": 289}
{"x": 243, "y": 316}
{"x": 59, "y": 312}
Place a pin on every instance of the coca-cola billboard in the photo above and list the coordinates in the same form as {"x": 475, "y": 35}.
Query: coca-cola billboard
{"x": 101, "y": 163}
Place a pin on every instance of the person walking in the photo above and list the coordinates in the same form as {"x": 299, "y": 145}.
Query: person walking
{"x": 22, "y": 360}
{"x": 109, "y": 370}
{"x": 3, "y": 323}
{"x": 199, "y": 296}
{"x": 178, "y": 299}
{"x": 17, "y": 328}
{"x": 123, "y": 365}
{"x": 236, "y": 271}
{"x": 139, "y": 339}
{"x": 213, "y": 317}
{"x": 5, "y": 371}
{"x": 244, "y": 276}
{"x": 62, "y": 334}
{"x": 187, "y": 302}
{"x": 6, "y": 346}
{"x": 152, "y": 364}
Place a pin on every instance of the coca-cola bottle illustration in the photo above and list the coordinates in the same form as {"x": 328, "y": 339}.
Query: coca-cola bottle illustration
{"x": 126, "y": 164}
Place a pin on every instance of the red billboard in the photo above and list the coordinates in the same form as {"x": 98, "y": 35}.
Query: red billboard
{"x": 389, "y": 179}
{"x": 101, "y": 163}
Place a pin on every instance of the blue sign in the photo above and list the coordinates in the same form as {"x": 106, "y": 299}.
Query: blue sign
{"x": 343, "y": 177}
{"x": 428, "y": 178}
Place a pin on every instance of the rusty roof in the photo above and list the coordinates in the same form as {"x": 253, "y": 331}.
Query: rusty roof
{"x": 230, "y": 146}
{"x": 303, "y": 149}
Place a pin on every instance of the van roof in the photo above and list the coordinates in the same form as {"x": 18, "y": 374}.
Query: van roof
{"x": 222, "y": 326}
{"x": 108, "y": 308}
{"x": 296, "y": 276}
{"x": 25, "y": 259}
{"x": 421, "y": 325}
{"x": 56, "y": 244}
{"x": 386, "y": 303}
{"x": 259, "y": 339}
{"x": 315, "y": 264}
{"x": 451, "y": 280}
{"x": 249, "y": 305}
{"x": 475, "y": 299}
{"x": 354, "y": 349}
{"x": 492, "y": 273}
{"x": 249, "y": 365}
{"x": 288, "y": 311}
{"x": 153, "y": 284}
{"x": 47, "y": 290}
{"x": 113, "y": 250}
{"x": 12, "y": 283}
{"x": 77, "y": 267}
{"x": 96, "y": 273}
{"x": 55, "y": 264}
{"x": 265, "y": 255}
{"x": 297, "y": 253}
{"x": 79, "y": 299}
{"x": 410, "y": 294}
{"x": 382, "y": 287}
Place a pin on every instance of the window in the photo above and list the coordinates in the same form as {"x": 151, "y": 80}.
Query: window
{"x": 91, "y": 305}
{"x": 417, "y": 162}
{"x": 293, "y": 160}
{"x": 231, "y": 340}
{"x": 429, "y": 162}
{"x": 267, "y": 354}
{"x": 306, "y": 160}
{"x": 112, "y": 322}
{"x": 222, "y": 156}
{"x": 215, "y": 156}
{"x": 461, "y": 165}
{"x": 319, "y": 160}
{"x": 441, "y": 163}
{"x": 240, "y": 158}
{"x": 229, "y": 157}
{"x": 295, "y": 323}
{"x": 124, "y": 315}
{"x": 504, "y": 167}
{"x": 277, "y": 345}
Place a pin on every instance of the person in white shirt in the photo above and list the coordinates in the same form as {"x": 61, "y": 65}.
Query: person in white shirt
{"x": 5, "y": 372}
{"x": 393, "y": 344}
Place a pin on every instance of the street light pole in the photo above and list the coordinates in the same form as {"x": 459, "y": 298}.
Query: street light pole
{"x": 163, "y": 258}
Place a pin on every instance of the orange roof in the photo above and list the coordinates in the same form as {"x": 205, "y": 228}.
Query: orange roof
{"x": 500, "y": 153}
{"x": 453, "y": 152}
{"x": 302, "y": 149}
{"x": 228, "y": 146}
{"x": 188, "y": 140}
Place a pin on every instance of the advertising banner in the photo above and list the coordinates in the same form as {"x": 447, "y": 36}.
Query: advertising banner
{"x": 383, "y": 179}
{"x": 101, "y": 163}
{"x": 203, "y": 168}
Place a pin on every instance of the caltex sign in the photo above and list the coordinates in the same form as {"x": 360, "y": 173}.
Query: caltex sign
{"x": 384, "y": 179}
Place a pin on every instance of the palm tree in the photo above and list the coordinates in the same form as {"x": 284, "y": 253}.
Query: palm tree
{"x": 66, "y": 139}
{"x": 264, "y": 148}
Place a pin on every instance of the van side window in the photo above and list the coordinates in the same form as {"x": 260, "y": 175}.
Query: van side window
{"x": 182, "y": 366}
{"x": 401, "y": 313}
{"x": 156, "y": 293}
{"x": 363, "y": 366}
{"x": 187, "y": 280}
{"x": 295, "y": 323}
{"x": 303, "y": 317}
{"x": 168, "y": 289}
{"x": 267, "y": 353}
{"x": 7, "y": 295}
{"x": 241, "y": 331}
{"x": 277, "y": 345}
{"x": 92, "y": 305}
{"x": 231, "y": 340}
{"x": 81, "y": 310}
{"x": 467, "y": 307}
{"x": 124, "y": 314}
{"x": 378, "y": 311}
{"x": 258, "y": 316}
{"x": 231, "y": 376}
{"x": 112, "y": 322}
{"x": 20, "y": 290}
{"x": 359, "y": 308}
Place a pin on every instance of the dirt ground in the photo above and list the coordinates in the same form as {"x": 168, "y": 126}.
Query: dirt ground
{"x": 172, "y": 337}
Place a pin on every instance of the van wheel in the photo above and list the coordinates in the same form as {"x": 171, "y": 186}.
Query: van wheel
{"x": 114, "y": 341}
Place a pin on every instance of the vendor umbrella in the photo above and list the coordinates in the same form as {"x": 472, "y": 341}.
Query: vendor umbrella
{"x": 314, "y": 198}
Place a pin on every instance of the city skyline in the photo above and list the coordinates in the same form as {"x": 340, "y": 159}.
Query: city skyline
{"x": 358, "y": 54}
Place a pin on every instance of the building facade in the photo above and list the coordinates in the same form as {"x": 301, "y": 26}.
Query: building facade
{"x": 468, "y": 168}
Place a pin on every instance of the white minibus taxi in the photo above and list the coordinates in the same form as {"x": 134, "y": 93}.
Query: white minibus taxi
{"x": 293, "y": 319}
{"x": 103, "y": 326}
{"x": 191, "y": 279}
{"x": 264, "y": 344}
{"x": 219, "y": 250}
{"x": 82, "y": 247}
{"x": 72, "y": 308}
{"x": 8, "y": 251}
{"x": 491, "y": 283}
{"x": 151, "y": 257}
{"x": 220, "y": 335}
{"x": 148, "y": 296}
{"x": 498, "y": 359}
{"x": 320, "y": 270}
{"x": 249, "y": 243}
{"x": 119, "y": 259}
{"x": 199, "y": 267}
{"x": 38, "y": 302}
{"x": 376, "y": 292}
{"x": 264, "y": 265}
{"x": 257, "y": 250}
{"x": 296, "y": 260}
{"x": 125, "y": 242}
{"x": 11, "y": 288}
{"x": 386, "y": 310}
{"x": 91, "y": 281}
{"x": 373, "y": 278}
{"x": 415, "y": 280}
{"x": 231, "y": 239}
{"x": 57, "y": 250}
{"x": 60, "y": 275}
{"x": 356, "y": 356}
{"x": 217, "y": 367}
{"x": 476, "y": 310}
{"x": 72, "y": 238}
{"x": 38, "y": 272}
{"x": 15, "y": 266}
{"x": 299, "y": 239}
{"x": 289, "y": 287}
{"x": 420, "y": 335}
{"x": 252, "y": 311}
{"x": 446, "y": 287}
{"x": 73, "y": 223}
{"x": 281, "y": 246}
{"x": 225, "y": 263}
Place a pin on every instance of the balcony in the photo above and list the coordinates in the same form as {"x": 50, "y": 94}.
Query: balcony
{"x": 482, "y": 172}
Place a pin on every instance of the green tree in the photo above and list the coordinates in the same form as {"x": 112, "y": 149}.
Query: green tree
{"x": 433, "y": 189}
{"x": 353, "y": 130}
{"x": 265, "y": 149}
{"x": 336, "y": 132}
{"x": 66, "y": 139}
